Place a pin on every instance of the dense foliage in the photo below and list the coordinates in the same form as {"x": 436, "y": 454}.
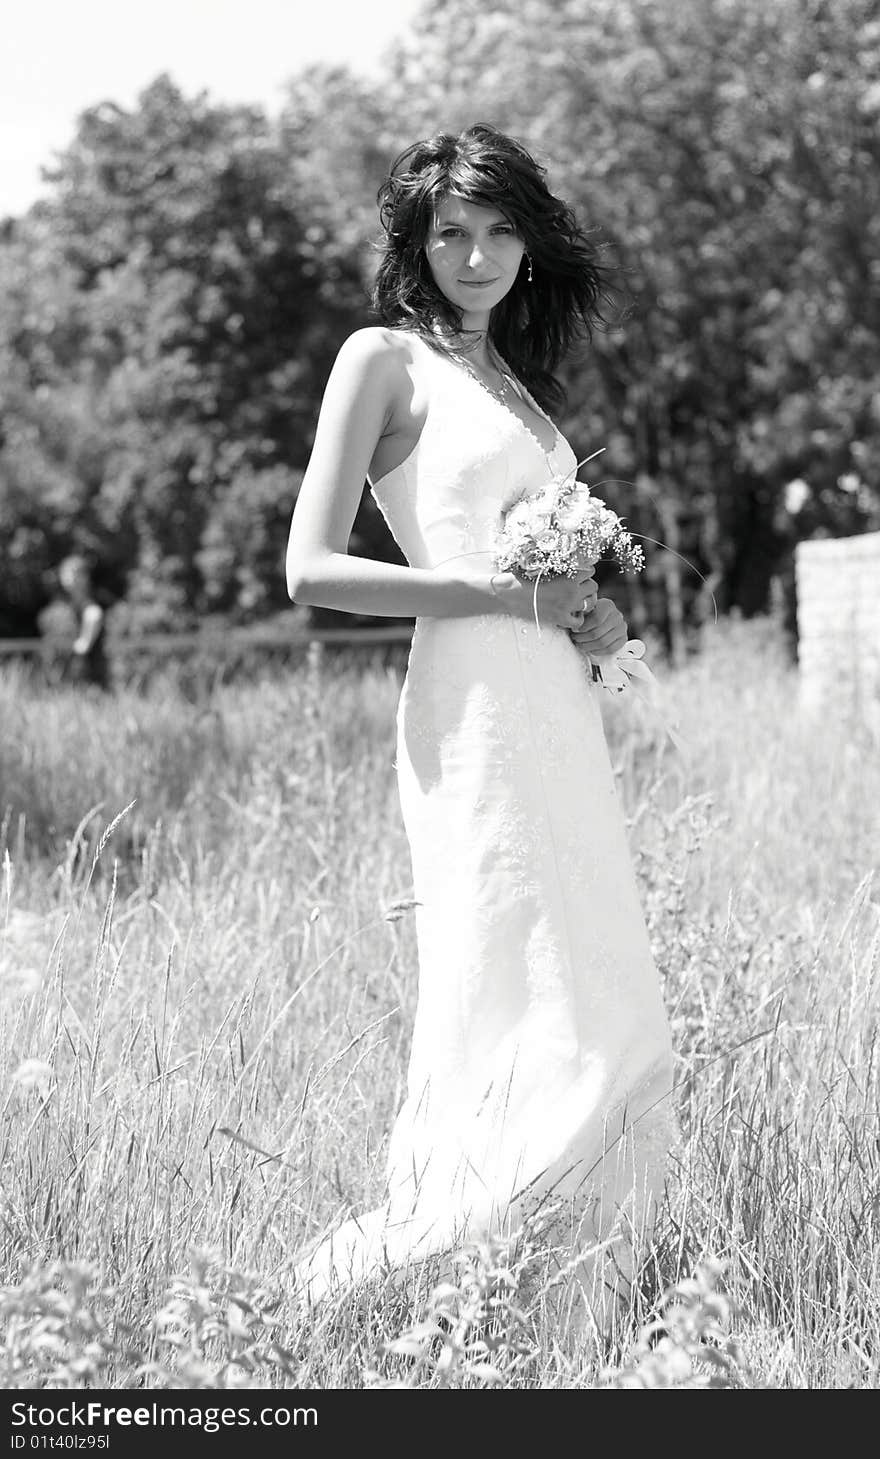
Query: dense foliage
{"x": 169, "y": 313}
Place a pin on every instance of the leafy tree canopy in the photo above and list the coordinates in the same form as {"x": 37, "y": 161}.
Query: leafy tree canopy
{"x": 168, "y": 317}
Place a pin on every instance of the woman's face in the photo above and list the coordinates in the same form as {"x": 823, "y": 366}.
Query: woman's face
{"x": 473, "y": 253}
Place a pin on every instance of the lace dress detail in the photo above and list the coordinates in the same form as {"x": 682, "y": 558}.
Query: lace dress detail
{"x": 540, "y": 1066}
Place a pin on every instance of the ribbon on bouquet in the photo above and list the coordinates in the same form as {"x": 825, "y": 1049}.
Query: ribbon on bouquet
{"x": 626, "y": 669}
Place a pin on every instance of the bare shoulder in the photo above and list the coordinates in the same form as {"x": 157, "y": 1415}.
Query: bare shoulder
{"x": 376, "y": 346}
{"x": 372, "y": 372}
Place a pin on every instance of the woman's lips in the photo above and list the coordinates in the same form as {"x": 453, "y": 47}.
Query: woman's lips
{"x": 477, "y": 283}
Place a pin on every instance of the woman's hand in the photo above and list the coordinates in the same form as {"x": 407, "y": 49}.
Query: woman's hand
{"x": 561, "y": 602}
{"x": 603, "y": 631}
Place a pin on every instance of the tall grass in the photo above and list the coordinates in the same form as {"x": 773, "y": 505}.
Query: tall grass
{"x": 208, "y": 982}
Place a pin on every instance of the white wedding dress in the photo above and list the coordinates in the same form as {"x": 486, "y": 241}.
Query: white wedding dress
{"x": 541, "y": 1067}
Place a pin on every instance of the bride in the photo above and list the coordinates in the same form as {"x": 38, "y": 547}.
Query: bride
{"x": 540, "y": 1069}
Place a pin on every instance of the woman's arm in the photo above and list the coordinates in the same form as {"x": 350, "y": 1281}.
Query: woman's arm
{"x": 362, "y": 399}
{"x": 90, "y": 627}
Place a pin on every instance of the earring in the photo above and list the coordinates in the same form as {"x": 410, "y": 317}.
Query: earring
{"x": 529, "y": 274}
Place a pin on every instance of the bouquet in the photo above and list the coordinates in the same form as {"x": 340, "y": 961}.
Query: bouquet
{"x": 561, "y": 529}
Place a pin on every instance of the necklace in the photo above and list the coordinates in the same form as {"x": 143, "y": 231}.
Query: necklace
{"x": 501, "y": 392}
{"x": 509, "y": 390}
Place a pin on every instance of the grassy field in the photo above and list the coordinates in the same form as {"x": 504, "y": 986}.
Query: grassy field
{"x": 207, "y": 991}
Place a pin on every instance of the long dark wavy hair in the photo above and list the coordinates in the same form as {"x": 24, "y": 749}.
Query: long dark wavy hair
{"x": 536, "y": 323}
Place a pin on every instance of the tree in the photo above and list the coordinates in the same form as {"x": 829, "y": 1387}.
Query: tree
{"x": 168, "y": 319}
{"x": 728, "y": 152}
{"x": 174, "y": 331}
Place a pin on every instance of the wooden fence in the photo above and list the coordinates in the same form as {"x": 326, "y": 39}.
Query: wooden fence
{"x": 232, "y": 638}
{"x": 200, "y": 660}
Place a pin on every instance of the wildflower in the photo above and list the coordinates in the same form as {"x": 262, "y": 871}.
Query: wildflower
{"x": 34, "y": 1074}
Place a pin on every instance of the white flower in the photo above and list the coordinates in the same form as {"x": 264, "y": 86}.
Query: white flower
{"x": 17, "y": 980}
{"x": 573, "y": 515}
{"x": 520, "y": 518}
{"x": 34, "y": 1074}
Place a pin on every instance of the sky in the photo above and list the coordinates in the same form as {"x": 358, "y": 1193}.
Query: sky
{"x": 61, "y": 56}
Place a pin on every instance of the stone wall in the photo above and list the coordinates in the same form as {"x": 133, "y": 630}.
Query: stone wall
{"x": 838, "y": 615}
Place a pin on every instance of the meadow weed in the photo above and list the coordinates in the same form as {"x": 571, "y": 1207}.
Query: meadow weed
{"x": 207, "y": 983}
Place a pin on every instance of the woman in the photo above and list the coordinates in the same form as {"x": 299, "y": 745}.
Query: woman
{"x": 540, "y": 1067}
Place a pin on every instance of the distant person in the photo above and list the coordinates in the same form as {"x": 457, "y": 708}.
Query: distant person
{"x": 87, "y": 663}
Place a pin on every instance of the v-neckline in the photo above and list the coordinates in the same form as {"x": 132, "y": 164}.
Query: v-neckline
{"x": 524, "y": 395}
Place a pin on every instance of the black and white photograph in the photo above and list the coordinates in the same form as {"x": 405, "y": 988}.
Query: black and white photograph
{"x": 439, "y": 706}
